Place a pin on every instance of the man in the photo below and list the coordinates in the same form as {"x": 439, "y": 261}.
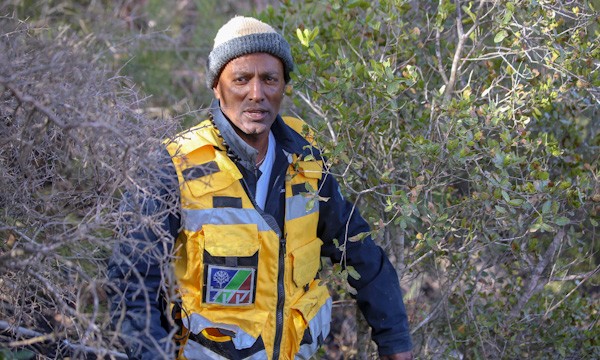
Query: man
{"x": 256, "y": 211}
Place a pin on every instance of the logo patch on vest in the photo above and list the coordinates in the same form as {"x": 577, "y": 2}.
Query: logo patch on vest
{"x": 230, "y": 285}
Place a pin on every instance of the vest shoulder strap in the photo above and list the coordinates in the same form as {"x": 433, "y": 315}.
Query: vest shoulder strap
{"x": 302, "y": 128}
{"x": 193, "y": 138}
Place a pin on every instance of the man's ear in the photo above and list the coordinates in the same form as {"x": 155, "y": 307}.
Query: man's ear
{"x": 217, "y": 92}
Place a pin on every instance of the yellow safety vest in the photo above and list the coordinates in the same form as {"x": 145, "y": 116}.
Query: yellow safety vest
{"x": 243, "y": 287}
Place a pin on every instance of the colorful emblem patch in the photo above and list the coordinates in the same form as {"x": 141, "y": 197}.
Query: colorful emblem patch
{"x": 230, "y": 285}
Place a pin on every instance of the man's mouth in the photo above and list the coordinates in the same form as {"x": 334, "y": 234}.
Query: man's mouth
{"x": 256, "y": 114}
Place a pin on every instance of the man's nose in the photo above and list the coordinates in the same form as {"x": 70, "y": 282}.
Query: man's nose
{"x": 256, "y": 90}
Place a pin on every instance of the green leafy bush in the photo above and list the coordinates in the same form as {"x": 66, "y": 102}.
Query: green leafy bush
{"x": 468, "y": 134}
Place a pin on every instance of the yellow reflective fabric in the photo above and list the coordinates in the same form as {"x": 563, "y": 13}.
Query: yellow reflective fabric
{"x": 303, "y": 311}
{"x": 300, "y": 127}
{"x": 306, "y": 262}
{"x": 205, "y": 172}
{"x": 229, "y": 240}
{"x": 311, "y": 169}
{"x": 188, "y": 140}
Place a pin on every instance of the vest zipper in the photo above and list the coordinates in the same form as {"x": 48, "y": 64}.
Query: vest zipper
{"x": 280, "y": 300}
{"x": 280, "y": 272}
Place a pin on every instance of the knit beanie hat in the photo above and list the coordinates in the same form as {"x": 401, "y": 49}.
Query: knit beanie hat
{"x": 245, "y": 35}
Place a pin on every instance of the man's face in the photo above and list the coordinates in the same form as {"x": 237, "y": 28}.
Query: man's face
{"x": 250, "y": 90}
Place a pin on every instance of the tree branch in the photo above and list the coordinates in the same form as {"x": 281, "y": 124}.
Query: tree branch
{"x": 32, "y": 334}
{"x": 533, "y": 286}
{"x": 586, "y": 277}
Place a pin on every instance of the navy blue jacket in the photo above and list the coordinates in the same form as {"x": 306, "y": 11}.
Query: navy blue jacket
{"x": 138, "y": 267}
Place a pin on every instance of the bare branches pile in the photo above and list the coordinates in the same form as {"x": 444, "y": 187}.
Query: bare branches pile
{"x": 71, "y": 136}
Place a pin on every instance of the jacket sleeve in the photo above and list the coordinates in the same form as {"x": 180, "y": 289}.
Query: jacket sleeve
{"x": 378, "y": 290}
{"x": 138, "y": 268}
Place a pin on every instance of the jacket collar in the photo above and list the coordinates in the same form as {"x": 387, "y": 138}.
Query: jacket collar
{"x": 245, "y": 154}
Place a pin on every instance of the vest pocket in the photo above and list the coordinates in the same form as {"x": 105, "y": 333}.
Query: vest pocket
{"x": 311, "y": 318}
{"x": 226, "y": 324}
{"x": 231, "y": 240}
{"x": 230, "y": 264}
{"x": 306, "y": 262}
{"x": 205, "y": 171}
{"x": 225, "y": 335}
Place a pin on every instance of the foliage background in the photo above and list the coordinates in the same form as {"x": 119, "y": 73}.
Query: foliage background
{"x": 467, "y": 132}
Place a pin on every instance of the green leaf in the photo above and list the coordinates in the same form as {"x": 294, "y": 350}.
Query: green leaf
{"x": 562, "y": 221}
{"x": 352, "y": 272}
{"x": 507, "y": 17}
{"x": 393, "y": 88}
{"x": 355, "y": 3}
{"x": 535, "y": 227}
{"x": 516, "y": 202}
{"x": 313, "y": 34}
{"x": 430, "y": 241}
{"x": 301, "y": 37}
{"x": 546, "y": 227}
{"x": 546, "y": 207}
{"x": 350, "y": 289}
{"x": 500, "y": 36}
{"x": 359, "y": 237}
{"x": 309, "y": 187}
{"x": 375, "y": 25}
{"x": 310, "y": 204}
{"x": 543, "y": 175}
{"x": 469, "y": 12}
{"x": 403, "y": 224}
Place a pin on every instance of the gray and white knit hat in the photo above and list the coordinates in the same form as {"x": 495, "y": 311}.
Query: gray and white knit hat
{"x": 245, "y": 35}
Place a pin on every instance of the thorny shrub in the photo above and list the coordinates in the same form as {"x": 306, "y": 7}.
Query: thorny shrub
{"x": 72, "y": 135}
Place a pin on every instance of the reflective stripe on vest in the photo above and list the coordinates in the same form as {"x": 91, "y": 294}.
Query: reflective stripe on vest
{"x": 193, "y": 219}
{"x": 300, "y": 205}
